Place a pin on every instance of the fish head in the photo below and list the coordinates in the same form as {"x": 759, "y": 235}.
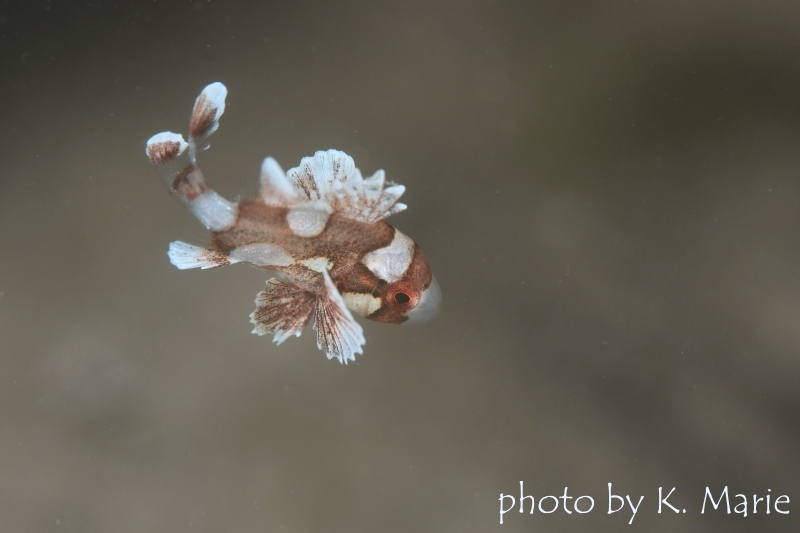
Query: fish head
{"x": 413, "y": 299}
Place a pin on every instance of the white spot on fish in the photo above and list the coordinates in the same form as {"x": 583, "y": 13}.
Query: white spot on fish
{"x": 308, "y": 219}
{"x": 361, "y": 303}
{"x": 213, "y": 211}
{"x": 263, "y": 254}
{"x": 391, "y": 262}
{"x": 317, "y": 264}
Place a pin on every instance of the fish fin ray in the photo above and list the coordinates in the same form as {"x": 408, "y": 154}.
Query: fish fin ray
{"x": 282, "y": 309}
{"x": 208, "y": 107}
{"x": 168, "y": 155}
{"x": 185, "y": 256}
{"x": 338, "y": 333}
{"x": 332, "y": 176}
{"x": 275, "y": 188}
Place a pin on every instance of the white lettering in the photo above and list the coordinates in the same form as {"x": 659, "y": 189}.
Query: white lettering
{"x": 664, "y": 500}
{"x": 591, "y": 505}
{"x": 543, "y": 498}
{"x": 634, "y": 509}
{"x": 565, "y": 498}
{"x": 780, "y": 499}
{"x": 741, "y": 508}
{"x": 755, "y": 503}
{"x": 504, "y": 511}
{"x": 613, "y": 497}
{"x": 522, "y": 499}
{"x": 718, "y": 502}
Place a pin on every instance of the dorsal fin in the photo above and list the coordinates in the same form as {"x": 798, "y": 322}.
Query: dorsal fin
{"x": 274, "y": 188}
{"x": 332, "y": 176}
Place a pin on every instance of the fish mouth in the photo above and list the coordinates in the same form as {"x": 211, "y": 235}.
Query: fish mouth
{"x": 428, "y": 306}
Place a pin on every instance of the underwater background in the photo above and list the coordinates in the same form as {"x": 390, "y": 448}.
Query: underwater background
{"x": 608, "y": 193}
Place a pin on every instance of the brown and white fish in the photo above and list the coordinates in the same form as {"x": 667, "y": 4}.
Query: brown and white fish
{"x": 320, "y": 225}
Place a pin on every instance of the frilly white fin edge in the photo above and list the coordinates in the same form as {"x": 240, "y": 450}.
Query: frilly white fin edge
{"x": 167, "y": 153}
{"x": 185, "y": 256}
{"x": 338, "y": 333}
{"x": 333, "y": 177}
{"x": 208, "y": 107}
{"x": 274, "y": 188}
{"x": 282, "y": 309}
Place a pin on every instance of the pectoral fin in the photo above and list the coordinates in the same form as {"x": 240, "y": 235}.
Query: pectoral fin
{"x": 184, "y": 255}
{"x": 338, "y": 334}
{"x": 282, "y": 309}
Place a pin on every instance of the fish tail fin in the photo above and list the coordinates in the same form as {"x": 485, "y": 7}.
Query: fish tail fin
{"x": 168, "y": 153}
{"x": 208, "y": 107}
{"x": 176, "y": 161}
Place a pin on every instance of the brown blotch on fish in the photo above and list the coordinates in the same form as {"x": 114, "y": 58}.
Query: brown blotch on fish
{"x": 217, "y": 258}
{"x": 163, "y": 152}
{"x": 358, "y": 278}
{"x": 203, "y": 117}
{"x": 189, "y": 183}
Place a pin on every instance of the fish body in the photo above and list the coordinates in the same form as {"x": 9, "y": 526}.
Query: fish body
{"x": 321, "y": 225}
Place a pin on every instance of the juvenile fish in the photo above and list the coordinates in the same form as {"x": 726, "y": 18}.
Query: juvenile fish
{"x": 321, "y": 225}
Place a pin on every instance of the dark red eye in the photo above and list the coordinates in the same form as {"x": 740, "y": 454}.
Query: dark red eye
{"x": 401, "y": 296}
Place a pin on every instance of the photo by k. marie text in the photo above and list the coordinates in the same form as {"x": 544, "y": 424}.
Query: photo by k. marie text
{"x": 664, "y": 501}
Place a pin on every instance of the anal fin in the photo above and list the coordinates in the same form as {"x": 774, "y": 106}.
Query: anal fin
{"x": 338, "y": 333}
{"x": 184, "y": 256}
{"x": 282, "y": 309}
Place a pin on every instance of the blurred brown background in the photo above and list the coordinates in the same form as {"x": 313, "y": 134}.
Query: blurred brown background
{"x": 608, "y": 193}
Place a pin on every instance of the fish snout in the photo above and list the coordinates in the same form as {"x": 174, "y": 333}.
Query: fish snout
{"x": 428, "y": 306}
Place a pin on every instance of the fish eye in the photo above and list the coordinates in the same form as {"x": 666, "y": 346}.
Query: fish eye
{"x": 402, "y": 297}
